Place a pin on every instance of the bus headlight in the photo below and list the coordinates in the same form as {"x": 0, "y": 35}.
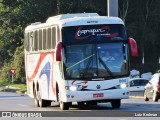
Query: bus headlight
{"x": 75, "y": 88}
{"x": 122, "y": 86}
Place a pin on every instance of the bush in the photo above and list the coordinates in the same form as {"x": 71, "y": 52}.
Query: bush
{"x": 18, "y": 63}
{"x": 5, "y": 75}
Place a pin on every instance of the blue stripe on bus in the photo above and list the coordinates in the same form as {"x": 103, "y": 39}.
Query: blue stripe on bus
{"x": 46, "y": 71}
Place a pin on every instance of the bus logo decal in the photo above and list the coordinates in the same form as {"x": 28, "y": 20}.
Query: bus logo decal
{"x": 85, "y": 33}
{"x": 83, "y": 84}
{"x": 98, "y": 86}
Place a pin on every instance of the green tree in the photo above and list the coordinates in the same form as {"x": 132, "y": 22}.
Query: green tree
{"x": 18, "y": 63}
{"x": 142, "y": 23}
{"x": 81, "y": 6}
{"x": 17, "y": 14}
{"x": 142, "y": 19}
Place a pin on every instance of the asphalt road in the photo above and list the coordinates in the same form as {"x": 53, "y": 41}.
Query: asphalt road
{"x": 11, "y": 101}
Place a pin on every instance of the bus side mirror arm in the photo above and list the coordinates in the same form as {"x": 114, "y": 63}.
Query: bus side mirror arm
{"x": 133, "y": 46}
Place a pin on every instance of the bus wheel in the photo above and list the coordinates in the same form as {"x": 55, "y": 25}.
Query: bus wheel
{"x": 116, "y": 103}
{"x": 36, "y": 99}
{"x": 64, "y": 105}
{"x": 48, "y": 103}
{"x": 42, "y": 103}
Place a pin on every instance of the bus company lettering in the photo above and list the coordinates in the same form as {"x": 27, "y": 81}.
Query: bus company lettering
{"x": 85, "y": 33}
{"x": 91, "y": 31}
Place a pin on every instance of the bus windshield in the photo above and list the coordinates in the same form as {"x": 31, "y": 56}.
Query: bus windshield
{"x": 89, "y": 52}
{"x": 107, "y": 60}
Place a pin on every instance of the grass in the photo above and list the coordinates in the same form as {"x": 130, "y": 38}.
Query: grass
{"x": 21, "y": 88}
{"x": 3, "y": 83}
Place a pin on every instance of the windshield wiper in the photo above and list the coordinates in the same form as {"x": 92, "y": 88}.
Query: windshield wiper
{"x": 105, "y": 66}
{"x": 87, "y": 66}
{"x": 79, "y": 62}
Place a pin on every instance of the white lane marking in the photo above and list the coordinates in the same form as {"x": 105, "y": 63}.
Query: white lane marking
{"x": 22, "y": 105}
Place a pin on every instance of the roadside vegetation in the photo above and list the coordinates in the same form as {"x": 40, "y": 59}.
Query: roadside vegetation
{"x": 141, "y": 17}
{"x": 7, "y": 87}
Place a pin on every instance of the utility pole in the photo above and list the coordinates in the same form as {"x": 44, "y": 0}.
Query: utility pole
{"x": 58, "y": 6}
{"x": 112, "y": 8}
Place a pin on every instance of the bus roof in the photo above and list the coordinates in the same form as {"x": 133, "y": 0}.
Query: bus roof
{"x": 67, "y": 16}
{"x": 65, "y": 20}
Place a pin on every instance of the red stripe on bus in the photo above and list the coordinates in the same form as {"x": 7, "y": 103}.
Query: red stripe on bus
{"x": 42, "y": 56}
{"x": 52, "y": 78}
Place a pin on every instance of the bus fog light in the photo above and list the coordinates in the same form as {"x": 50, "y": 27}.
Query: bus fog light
{"x": 67, "y": 87}
{"x": 121, "y": 86}
{"x": 68, "y": 96}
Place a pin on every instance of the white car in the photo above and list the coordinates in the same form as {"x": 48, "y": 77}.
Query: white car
{"x": 152, "y": 89}
{"x": 138, "y": 84}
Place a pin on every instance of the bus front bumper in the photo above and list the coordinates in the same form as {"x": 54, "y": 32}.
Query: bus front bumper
{"x": 77, "y": 96}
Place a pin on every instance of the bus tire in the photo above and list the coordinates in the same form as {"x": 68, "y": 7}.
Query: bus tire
{"x": 42, "y": 102}
{"x": 116, "y": 103}
{"x": 48, "y": 103}
{"x": 64, "y": 105}
{"x": 36, "y": 99}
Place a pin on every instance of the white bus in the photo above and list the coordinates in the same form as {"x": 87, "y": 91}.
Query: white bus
{"x": 65, "y": 60}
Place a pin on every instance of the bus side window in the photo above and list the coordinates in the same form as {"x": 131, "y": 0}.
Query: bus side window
{"x": 44, "y": 39}
{"x": 35, "y": 40}
{"x": 40, "y": 39}
{"x": 48, "y": 40}
{"x": 58, "y": 37}
{"x": 31, "y": 43}
{"x": 53, "y": 37}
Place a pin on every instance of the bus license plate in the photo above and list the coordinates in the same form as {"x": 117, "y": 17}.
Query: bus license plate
{"x": 98, "y": 95}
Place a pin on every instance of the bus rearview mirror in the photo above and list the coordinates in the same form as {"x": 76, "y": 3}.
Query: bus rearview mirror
{"x": 133, "y": 46}
{"x": 59, "y": 52}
